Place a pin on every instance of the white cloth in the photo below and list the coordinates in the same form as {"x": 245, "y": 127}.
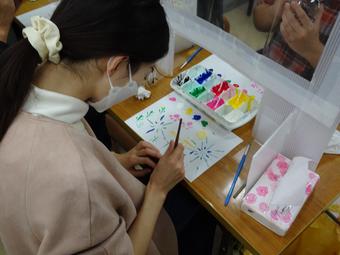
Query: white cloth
{"x": 44, "y": 36}
{"x": 56, "y": 106}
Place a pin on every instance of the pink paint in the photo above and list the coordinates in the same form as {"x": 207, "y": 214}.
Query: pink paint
{"x": 283, "y": 167}
{"x": 280, "y": 157}
{"x": 309, "y": 188}
{"x": 173, "y": 99}
{"x": 226, "y": 95}
{"x": 215, "y": 103}
{"x": 272, "y": 176}
{"x": 190, "y": 124}
{"x": 175, "y": 117}
{"x": 312, "y": 175}
{"x": 286, "y": 217}
{"x": 262, "y": 191}
{"x": 251, "y": 198}
{"x": 274, "y": 215}
{"x": 263, "y": 207}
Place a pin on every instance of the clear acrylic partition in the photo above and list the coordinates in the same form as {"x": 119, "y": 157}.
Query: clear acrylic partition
{"x": 312, "y": 107}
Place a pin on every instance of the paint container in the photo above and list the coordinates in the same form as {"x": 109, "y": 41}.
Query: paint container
{"x": 234, "y": 116}
{"x": 198, "y": 91}
{"x": 215, "y": 103}
{"x": 188, "y": 87}
{"x": 195, "y": 71}
{"x": 205, "y": 97}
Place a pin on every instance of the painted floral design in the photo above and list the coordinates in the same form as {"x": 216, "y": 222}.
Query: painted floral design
{"x": 312, "y": 175}
{"x": 283, "y": 167}
{"x": 251, "y": 198}
{"x": 262, "y": 191}
{"x": 286, "y": 217}
{"x": 280, "y": 157}
{"x": 272, "y": 176}
{"x": 264, "y": 207}
{"x": 175, "y": 117}
{"x": 309, "y": 188}
{"x": 274, "y": 215}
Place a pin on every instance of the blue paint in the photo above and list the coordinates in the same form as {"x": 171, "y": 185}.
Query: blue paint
{"x": 151, "y": 130}
{"x": 204, "y": 76}
{"x": 197, "y": 117}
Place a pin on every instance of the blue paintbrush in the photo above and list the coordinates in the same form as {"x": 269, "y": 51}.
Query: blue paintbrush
{"x": 189, "y": 59}
{"x": 237, "y": 174}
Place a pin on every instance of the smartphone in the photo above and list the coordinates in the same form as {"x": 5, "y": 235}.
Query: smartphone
{"x": 310, "y": 7}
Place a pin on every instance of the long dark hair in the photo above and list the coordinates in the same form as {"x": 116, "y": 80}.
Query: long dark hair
{"x": 89, "y": 29}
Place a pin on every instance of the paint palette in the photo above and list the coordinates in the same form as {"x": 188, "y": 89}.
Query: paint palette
{"x": 230, "y": 104}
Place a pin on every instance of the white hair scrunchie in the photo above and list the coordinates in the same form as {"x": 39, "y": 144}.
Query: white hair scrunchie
{"x": 44, "y": 36}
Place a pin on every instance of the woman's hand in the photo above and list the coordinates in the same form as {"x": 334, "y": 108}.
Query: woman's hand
{"x": 144, "y": 154}
{"x": 169, "y": 170}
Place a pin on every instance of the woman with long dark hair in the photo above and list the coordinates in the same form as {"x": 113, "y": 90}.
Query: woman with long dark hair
{"x": 62, "y": 191}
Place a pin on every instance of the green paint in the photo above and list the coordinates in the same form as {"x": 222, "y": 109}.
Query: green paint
{"x": 140, "y": 117}
{"x": 162, "y": 109}
{"x": 204, "y": 123}
{"x": 148, "y": 114}
{"x": 196, "y": 92}
{"x": 229, "y": 81}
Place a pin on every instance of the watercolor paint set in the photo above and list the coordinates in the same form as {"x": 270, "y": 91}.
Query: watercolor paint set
{"x": 230, "y": 104}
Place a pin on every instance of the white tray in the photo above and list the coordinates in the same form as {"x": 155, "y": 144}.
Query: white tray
{"x": 181, "y": 82}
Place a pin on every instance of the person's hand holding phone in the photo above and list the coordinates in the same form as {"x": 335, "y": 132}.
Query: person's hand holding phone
{"x": 302, "y": 33}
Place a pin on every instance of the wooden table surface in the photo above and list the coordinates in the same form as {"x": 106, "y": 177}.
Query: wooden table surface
{"x": 210, "y": 189}
{"x": 28, "y": 5}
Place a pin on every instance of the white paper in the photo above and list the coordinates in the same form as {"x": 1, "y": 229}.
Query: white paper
{"x": 204, "y": 144}
{"x": 45, "y": 11}
{"x": 291, "y": 189}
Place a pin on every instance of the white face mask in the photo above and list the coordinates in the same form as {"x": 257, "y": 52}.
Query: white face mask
{"x": 116, "y": 94}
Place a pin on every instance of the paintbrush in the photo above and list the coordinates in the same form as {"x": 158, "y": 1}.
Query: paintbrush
{"x": 178, "y": 132}
{"x": 190, "y": 58}
{"x": 176, "y": 143}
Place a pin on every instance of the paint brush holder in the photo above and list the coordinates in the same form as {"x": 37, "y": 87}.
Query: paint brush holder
{"x": 227, "y": 103}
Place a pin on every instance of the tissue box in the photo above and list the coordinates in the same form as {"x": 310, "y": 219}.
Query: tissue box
{"x": 266, "y": 207}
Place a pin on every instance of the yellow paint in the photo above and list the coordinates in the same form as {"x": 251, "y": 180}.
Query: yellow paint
{"x": 189, "y": 111}
{"x": 250, "y": 103}
{"x": 173, "y": 133}
{"x": 187, "y": 143}
{"x": 241, "y": 98}
{"x": 201, "y": 135}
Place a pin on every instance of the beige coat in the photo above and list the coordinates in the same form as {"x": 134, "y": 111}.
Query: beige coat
{"x": 62, "y": 192}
